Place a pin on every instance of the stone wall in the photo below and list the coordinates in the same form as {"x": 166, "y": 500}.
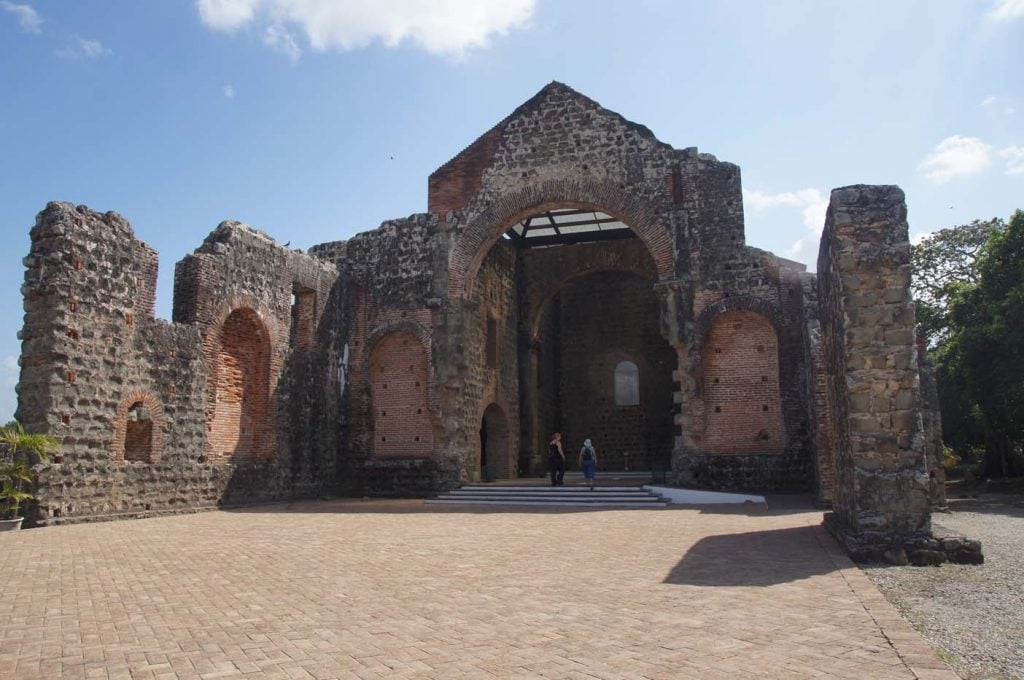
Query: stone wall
{"x": 389, "y": 317}
{"x": 131, "y": 397}
{"x": 432, "y": 351}
{"x": 881, "y": 499}
{"x": 763, "y": 380}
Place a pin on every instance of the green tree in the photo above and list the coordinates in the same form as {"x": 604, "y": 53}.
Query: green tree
{"x": 941, "y": 263}
{"x": 16, "y": 473}
{"x": 985, "y": 348}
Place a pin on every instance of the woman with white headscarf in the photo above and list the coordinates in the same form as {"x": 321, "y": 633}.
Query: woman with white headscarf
{"x": 588, "y": 461}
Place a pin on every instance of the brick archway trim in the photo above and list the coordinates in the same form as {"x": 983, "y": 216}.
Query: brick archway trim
{"x": 420, "y": 332}
{"x": 488, "y": 226}
{"x": 750, "y": 303}
{"x": 156, "y": 410}
{"x": 269, "y": 331}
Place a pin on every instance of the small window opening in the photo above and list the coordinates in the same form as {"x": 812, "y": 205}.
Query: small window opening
{"x": 627, "y": 384}
{"x": 138, "y": 436}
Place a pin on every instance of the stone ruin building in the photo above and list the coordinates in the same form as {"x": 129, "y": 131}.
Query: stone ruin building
{"x": 571, "y": 273}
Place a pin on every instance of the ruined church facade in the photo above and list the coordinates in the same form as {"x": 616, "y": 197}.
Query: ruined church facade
{"x": 572, "y": 273}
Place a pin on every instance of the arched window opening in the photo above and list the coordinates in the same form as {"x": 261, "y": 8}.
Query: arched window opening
{"x": 138, "y": 434}
{"x": 627, "y": 384}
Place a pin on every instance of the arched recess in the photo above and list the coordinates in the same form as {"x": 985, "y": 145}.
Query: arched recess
{"x": 702, "y": 325}
{"x": 410, "y": 327}
{"x": 496, "y": 458}
{"x": 138, "y": 428}
{"x": 740, "y": 385}
{"x": 489, "y": 225}
{"x": 398, "y": 395}
{"x": 240, "y": 427}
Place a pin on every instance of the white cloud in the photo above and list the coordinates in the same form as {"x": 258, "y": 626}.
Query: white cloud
{"x": 1005, "y": 10}
{"x": 446, "y": 27}
{"x": 229, "y": 92}
{"x": 279, "y": 39}
{"x": 1014, "y": 156}
{"x": 226, "y": 15}
{"x": 28, "y": 18}
{"x": 956, "y": 156}
{"x": 812, "y": 204}
{"x": 83, "y": 49}
{"x": 998, "y": 104}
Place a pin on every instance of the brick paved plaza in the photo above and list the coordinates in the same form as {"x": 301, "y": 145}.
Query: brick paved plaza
{"x": 349, "y": 589}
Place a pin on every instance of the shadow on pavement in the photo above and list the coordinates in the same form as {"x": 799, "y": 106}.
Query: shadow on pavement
{"x": 756, "y": 558}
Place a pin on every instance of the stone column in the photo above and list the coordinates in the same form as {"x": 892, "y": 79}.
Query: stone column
{"x": 881, "y": 500}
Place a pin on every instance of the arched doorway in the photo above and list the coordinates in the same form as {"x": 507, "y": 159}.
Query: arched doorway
{"x": 239, "y": 428}
{"x": 496, "y": 461}
{"x": 573, "y": 287}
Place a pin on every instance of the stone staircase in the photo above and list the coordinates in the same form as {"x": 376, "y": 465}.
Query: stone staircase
{"x": 552, "y": 496}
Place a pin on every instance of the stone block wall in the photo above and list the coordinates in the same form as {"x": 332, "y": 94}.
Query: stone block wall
{"x": 756, "y": 302}
{"x": 881, "y": 498}
{"x": 128, "y": 395}
{"x": 817, "y": 391}
{"x": 432, "y": 351}
{"x": 389, "y": 319}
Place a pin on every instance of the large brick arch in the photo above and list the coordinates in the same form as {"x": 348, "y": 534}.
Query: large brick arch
{"x": 739, "y": 384}
{"x": 488, "y": 226}
{"x": 398, "y": 368}
{"x": 241, "y": 414}
{"x": 140, "y": 451}
{"x": 541, "y": 304}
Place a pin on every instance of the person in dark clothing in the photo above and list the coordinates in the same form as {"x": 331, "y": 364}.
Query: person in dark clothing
{"x": 588, "y": 461}
{"x": 556, "y": 459}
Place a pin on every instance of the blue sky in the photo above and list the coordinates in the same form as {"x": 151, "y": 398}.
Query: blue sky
{"x": 315, "y": 119}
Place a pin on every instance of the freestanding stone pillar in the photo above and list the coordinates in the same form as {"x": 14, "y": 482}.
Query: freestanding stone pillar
{"x": 881, "y": 505}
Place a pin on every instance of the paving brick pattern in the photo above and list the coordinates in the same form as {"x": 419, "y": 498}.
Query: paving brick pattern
{"x": 349, "y": 589}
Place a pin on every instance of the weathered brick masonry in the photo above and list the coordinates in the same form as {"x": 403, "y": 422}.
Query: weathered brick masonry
{"x": 447, "y": 346}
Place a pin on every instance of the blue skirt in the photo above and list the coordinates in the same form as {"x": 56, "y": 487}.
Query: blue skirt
{"x": 589, "y": 468}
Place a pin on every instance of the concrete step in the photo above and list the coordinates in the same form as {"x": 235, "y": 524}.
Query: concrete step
{"x": 545, "y": 503}
{"x": 556, "y": 496}
{"x": 551, "y": 489}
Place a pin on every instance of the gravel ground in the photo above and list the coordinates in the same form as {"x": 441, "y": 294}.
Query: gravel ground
{"x": 975, "y": 613}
